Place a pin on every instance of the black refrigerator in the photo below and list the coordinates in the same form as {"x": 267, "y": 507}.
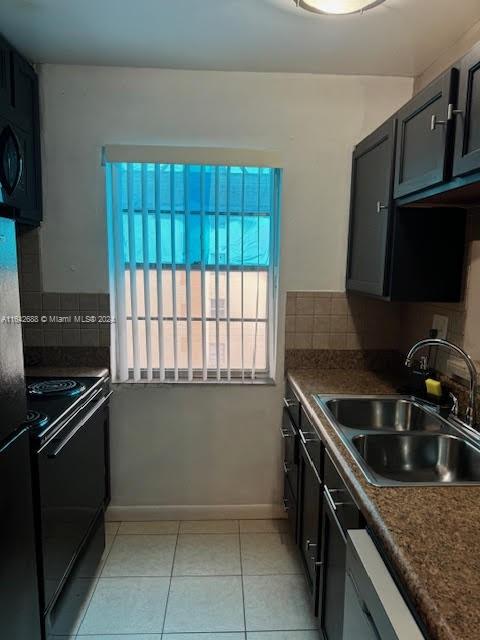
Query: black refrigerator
{"x": 19, "y": 601}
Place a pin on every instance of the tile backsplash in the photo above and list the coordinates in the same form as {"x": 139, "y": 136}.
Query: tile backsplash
{"x": 335, "y": 320}
{"x": 62, "y": 318}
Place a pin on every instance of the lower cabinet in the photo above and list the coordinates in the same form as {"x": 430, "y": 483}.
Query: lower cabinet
{"x": 320, "y": 510}
{"x": 289, "y": 432}
{"x": 310, "y": 511}
{"x": 339, "y": 514}
{"x": 309, "y": 501}
{"x": 332, "y": 586}
{"x": 290, "y": 506}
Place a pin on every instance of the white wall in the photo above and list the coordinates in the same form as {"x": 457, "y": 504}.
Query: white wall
{"x": 212, "y": 445}
{"x": 313, "y": 120}
{"x": 449, "y": 57}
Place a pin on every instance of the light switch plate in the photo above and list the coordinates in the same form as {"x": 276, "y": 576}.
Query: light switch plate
{"x": 440, "y": 323}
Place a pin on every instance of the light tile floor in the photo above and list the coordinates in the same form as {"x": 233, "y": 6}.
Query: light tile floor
{"x": 193, "y": 580}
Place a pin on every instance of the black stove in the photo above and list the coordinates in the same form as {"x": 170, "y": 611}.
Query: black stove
{"x": 51, "y": 401}
{"x": 69, "y": 436}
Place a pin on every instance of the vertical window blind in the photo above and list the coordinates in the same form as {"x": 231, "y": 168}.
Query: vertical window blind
{"x": 193, "y": 253}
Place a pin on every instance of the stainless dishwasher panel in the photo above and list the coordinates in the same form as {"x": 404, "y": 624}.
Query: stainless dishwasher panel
{"x": 374, "y": 607}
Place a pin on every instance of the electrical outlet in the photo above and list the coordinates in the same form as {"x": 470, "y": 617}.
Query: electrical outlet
{"x": 440, "y": 323}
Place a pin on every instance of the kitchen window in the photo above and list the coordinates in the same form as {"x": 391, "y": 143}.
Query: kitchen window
{"x": 193, "y": 270}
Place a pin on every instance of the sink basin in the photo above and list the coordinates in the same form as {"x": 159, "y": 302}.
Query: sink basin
{"x": 399, "y": 441}
{"x": 397, "y": 414}
{"x": 420, "y": 458}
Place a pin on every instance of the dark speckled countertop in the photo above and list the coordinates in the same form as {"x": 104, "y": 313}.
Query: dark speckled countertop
{"x": 67, "y": 372}
{"x": 431, "y": 534}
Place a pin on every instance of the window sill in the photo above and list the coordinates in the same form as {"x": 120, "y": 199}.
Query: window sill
{"x": 261, "y": 382}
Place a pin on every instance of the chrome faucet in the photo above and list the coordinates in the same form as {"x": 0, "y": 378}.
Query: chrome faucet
{"x": 471, "y": 416}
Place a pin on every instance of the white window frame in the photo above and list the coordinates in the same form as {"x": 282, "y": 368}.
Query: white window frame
{"x": 120, "y": 370}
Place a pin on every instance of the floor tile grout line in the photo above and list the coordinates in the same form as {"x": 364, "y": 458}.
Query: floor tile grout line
{"x": 170, "y": 583}
{"x": 241, "y": 580}
{"x": 202, "y": 575}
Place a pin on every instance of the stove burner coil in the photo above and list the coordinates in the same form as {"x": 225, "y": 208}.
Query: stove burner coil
{"x": 36, "y": 419}
{"x": 48, "y": 388}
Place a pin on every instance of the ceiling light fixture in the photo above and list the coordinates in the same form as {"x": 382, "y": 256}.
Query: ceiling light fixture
{"x": 338, "y": 7}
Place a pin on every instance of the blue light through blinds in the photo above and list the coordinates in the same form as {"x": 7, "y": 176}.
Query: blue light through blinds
{"x": 246, "y": 194}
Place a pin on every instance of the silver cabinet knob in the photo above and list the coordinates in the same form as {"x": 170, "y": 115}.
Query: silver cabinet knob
{"x": 381, "y": 207}
{"x": 285, "y": 433}
{"x": 435, "y": 122}
{"x": 451, "y": 112}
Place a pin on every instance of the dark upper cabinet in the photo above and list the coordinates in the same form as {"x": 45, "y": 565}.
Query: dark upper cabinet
{"x": 20, "y": 177}
{"x": 370, "y": 211}
{"x": 5, "y": 76}
{"x": 425, "y": 135}
{"x": 397, "y": 253}
{"x": 467, "y": 136}
{"x": 24, "y": 92}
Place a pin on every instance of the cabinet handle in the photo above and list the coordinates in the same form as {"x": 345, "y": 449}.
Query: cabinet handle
{"x": 286, "y": 468}
{"x": 381, "y": 207}
{"x": 285, "y": 505}
{"x": 451, "y": 112}
{"x": 435, "y": 122}
{"x": 285, "y": 434}
{"x": 308, "y": 433}
{"x": 310, "y": 545}
{"x": 329, "y": 496}
{"x": 289, "y": 402}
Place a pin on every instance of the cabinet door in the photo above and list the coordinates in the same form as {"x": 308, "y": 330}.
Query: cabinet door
{"x": 467, "y": 136}
{"x": 290, "y": 507}
{"x": 424, "y": 141}
{"x": 370, "y": 210}
{"x": 332, "y": 578}
{"x": 25, "y": 92}
{"x": 290, "y": 451}
{"x": 5, "y": 78}
{"x": 310, "y": 504}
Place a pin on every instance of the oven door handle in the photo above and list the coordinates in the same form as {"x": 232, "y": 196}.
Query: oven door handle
{"x": 75, "y": 414}
{"x": 80, "y": 425}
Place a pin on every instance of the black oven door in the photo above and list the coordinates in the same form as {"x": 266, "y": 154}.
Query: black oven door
{"x": 72, "y": 491}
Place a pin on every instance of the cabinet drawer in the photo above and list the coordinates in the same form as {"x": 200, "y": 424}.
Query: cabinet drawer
{"x": 290, "y": 451}
{"x": 312, "y": 443}
{"x": 292, "y": 404}
{"x": 339, "y": 498}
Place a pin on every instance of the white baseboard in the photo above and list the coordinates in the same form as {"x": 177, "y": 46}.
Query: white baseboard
{"x": 195, "y": 512}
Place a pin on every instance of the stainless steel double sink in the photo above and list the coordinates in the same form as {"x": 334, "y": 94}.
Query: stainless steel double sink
{"x": 398, "y": 441}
